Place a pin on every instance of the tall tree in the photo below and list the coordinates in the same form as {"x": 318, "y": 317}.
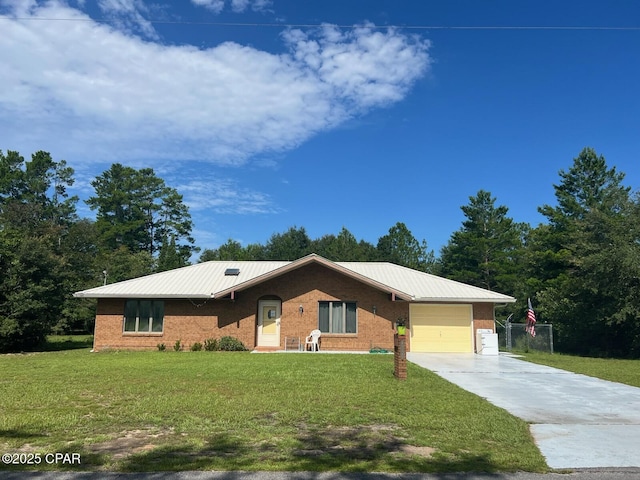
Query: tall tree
{"x": 487, "y": 249}
{"x": 31, "y": 289}
{"x": 174, "y": 221}
{"x": 401, "y": 247}
{"x": 35, "y": 214}
{"x": 34, "y": 193}
{"x": 169, "y": 257}
{"x": 148, "y": 196}
{"x": 120, "y": 222}
{"x": 79, "y": 252}
{"x": 587, "y": 186}
{"x": 585, "y": 259}
{"x": 136, "y": 210}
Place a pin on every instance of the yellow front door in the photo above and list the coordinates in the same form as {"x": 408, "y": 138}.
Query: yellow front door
{"x": 441, "y": 328}
{"x": 269, "y": 313}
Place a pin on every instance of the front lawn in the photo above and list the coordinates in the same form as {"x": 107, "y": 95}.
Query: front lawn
{"x": 615, "y": 370}
{"x": 144, "y": 411}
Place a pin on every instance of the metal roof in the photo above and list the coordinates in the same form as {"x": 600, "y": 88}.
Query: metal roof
{"x": 202, "y": 280}
{"x": 422, "y": 287}
{"x": 208, "y": 280}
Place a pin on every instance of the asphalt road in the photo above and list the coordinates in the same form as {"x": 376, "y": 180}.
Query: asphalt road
{"x": 616, "y": 474}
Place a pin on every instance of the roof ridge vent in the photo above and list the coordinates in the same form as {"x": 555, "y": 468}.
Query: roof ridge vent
{"x": 232, "y": 272}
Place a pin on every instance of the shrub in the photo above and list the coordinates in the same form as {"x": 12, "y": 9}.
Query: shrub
{"x": 162, "y": 347}
{"x": 210, "y": 344}
{"x": 177, "y": 346}
{"x": 196, "y": 347}
{"x": 231, "y": 344}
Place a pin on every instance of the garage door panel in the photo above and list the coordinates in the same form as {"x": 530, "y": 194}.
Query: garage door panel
{"x": 441, "y": 328}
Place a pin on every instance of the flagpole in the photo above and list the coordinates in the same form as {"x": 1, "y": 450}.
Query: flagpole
{"x": 526, "y": 330}
{"x": 526, "y": 335}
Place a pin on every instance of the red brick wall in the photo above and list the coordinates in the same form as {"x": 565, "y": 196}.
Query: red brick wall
{"x": 304, "y": 287}
{"x": 183, "y": 320}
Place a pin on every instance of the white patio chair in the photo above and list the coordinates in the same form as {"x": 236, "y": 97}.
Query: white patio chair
{"x": 312, "y": 340}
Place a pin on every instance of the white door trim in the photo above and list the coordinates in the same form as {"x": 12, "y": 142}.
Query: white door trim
{"x": 270, "y": 335}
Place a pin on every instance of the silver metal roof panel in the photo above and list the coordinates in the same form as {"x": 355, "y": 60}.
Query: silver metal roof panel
{"x": 208, "y": 280}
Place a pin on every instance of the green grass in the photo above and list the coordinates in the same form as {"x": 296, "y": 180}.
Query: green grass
{"x": 615, "y": 370}
{"x": 146, "y": 411}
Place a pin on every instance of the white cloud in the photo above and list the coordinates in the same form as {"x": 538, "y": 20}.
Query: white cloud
{"x": 255, "y": 5}
{"x": 94, "y": 93}
{"x": 238, "y": 6}
{"x": 215, "y": 6}
{"x": 364, "y": 66}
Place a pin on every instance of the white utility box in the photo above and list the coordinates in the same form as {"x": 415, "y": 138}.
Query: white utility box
{"x": 486, "y": 342}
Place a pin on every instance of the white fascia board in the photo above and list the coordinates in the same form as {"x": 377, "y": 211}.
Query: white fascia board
{"x": 133, "y": 295}
{"x": 465, "y": 300}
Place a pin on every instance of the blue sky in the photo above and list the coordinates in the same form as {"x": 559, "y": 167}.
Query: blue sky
{"x": 267, "y": 114}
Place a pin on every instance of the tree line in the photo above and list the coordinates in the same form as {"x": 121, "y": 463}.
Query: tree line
{"x": 581, "y": 268}
{"x": 397, "y": 246}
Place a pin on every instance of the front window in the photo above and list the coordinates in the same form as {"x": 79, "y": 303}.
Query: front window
{"x": 337, "y": 317}
{"x": 144, "y": 316}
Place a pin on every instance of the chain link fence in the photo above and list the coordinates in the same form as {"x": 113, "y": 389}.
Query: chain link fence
{"x": 514, "y": 337}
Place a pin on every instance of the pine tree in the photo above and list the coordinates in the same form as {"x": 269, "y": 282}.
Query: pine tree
{"x": 486, "y": 251}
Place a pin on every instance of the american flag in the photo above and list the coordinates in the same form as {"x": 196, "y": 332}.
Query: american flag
{"x": 531, "y": 320}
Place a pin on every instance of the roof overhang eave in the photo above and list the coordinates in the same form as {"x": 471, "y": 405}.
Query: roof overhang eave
{"x": 464, "y": 300}
{"x": 140, "y": 295}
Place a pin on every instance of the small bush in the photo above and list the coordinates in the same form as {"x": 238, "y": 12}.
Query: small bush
{"x": 177, "y": 346}
{"x": 231, "y": 344}
{"x": 161, "y": 347}
{"x": 196, "y": 347}
{"x": 210, "y": 344}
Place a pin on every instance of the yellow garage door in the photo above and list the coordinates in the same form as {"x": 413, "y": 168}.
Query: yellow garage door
{"x": 441, "y": 328}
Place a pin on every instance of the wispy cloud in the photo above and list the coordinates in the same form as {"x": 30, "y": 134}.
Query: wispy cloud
{"x": 225, "y": 196}
{"x": 238, "y": 6}
{"x": 129, "y": 15}
{"x": 215, "y": 6}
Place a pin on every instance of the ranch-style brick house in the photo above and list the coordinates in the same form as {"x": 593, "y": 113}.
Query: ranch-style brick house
{"x": 273, "y": 305}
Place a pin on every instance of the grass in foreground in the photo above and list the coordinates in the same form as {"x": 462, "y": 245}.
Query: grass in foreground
{"x": 145, "y": 411}
{"x": 615, "y": 370}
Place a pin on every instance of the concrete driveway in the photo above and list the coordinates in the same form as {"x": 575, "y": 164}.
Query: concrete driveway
{"x": 576, "y": 421}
